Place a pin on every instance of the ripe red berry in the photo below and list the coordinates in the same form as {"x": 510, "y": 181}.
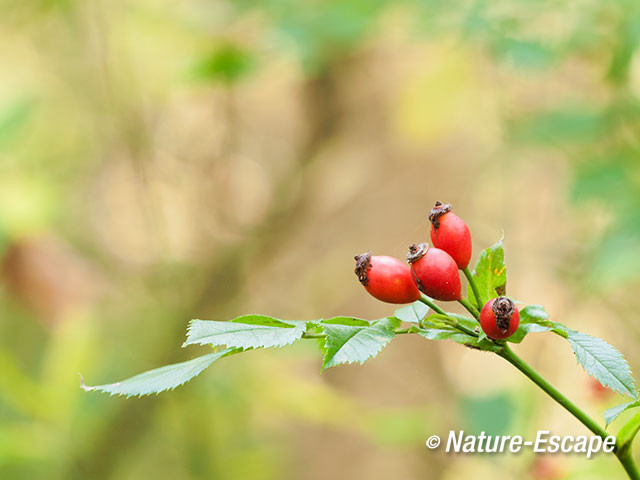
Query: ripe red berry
{"x": 435, "y": 272}
{"x": 450, "y": 233}
{"x": 499, "y": 318}
{"x": 386, "y": 278}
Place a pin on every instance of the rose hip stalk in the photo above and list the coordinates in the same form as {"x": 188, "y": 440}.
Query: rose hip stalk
{"x": 386, "y": 278}
{"x": 499, "y": 318}
{"x": 435, "y": 272}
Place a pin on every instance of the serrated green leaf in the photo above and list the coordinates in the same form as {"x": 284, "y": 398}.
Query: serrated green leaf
{"x": 490, "y": 274}
{"x": 248, "y": 331}
{"x": 603, "y": 362}
{"x": 163, "y": 378}
{"x": 351, "y": 321}
{"x": 413, "y": 313}
{"x": 533, "y": 319}
{"x": 614, "y": 412}
{"x": 356, "y": 343}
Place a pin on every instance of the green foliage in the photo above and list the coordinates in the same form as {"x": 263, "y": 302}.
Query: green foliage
{"x": 614, "y": 412}
{"x": 603, "y": 362}
{"x": 348, "y": 344}
{"x": 248, "y": 331}
{"x": 599, "y": 359}
{"x": 434, "y": 332}
{"x": 457, "y": 328}
{"x": 348, "y": 339}
{"x": 163, "y": 378}
{"x": 350, "y": 321}
{"x": 533, "y": 318}
{"x": 490, "y": 274}
{"x": 413, "y": 313}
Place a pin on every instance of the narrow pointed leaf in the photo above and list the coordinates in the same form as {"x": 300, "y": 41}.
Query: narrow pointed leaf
{"x": 614, "y": 412}
{"x": 351, "y": 321}
{"x": 161, "y": 379}
{"x": 249, "y": 331}
{"x": 355, "y": 343}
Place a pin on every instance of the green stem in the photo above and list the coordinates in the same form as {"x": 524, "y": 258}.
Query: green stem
{"x": 552, "y": 391}
{"x": 454, "y": 323}
{"x": 622, "y": 453}
{"x": 629, "y": 465}
{"x": 624, "y": 440}
{"x": 472, "y": 284}
{"x": 427, "y": 301}
{"x": 470, "y": 308}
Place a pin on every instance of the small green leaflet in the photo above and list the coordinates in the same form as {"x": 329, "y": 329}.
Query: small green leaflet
{"x": 533, "y": 318}
{"x": 614, "y": 412}
{"x": 438, "y": 332}
{"x": 603, "y": 362}
{"x": 355, "y": 343}
{"x": 445, "y": 333}
{"x": 413, "y": 313}
{"x": 163, "y": 378}
{"x": 248, "y": 331}
{"x": 490, "y": 274}
{"x": 351, "y": 321}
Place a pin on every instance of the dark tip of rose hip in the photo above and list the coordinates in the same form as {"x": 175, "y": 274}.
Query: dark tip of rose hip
{"x": 363, "y": 265}
{"x": 503, "y": 308}
{"x": 437, "y": 211}
{"x": 416, "y": 252}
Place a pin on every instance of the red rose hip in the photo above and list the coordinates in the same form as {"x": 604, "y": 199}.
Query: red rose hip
{"x": 386, "y": 278}
{"x": 450, "y": 233}
{"x": 499, "y": 318}
{"x": 435, "y": 272}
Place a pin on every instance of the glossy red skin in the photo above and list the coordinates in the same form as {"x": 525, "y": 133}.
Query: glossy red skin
{"x": 453, "y": 237}
{"x": 438, "y": 275}
{"x": 391, "y": 281}
{"x": 489, "y": 326}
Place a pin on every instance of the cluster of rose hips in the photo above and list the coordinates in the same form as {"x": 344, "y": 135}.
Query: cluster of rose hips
{"x": 434, "y": 272}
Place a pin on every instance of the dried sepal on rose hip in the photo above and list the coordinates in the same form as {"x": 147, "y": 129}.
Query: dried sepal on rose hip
{"x": 450, "y": 233}
{"x": 386, "y": 278}
{"x": 435, "y": 272}
{"x": 499, "y": 318}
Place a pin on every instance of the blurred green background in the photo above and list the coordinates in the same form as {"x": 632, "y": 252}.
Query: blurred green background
{"x": 162, "y": 161}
